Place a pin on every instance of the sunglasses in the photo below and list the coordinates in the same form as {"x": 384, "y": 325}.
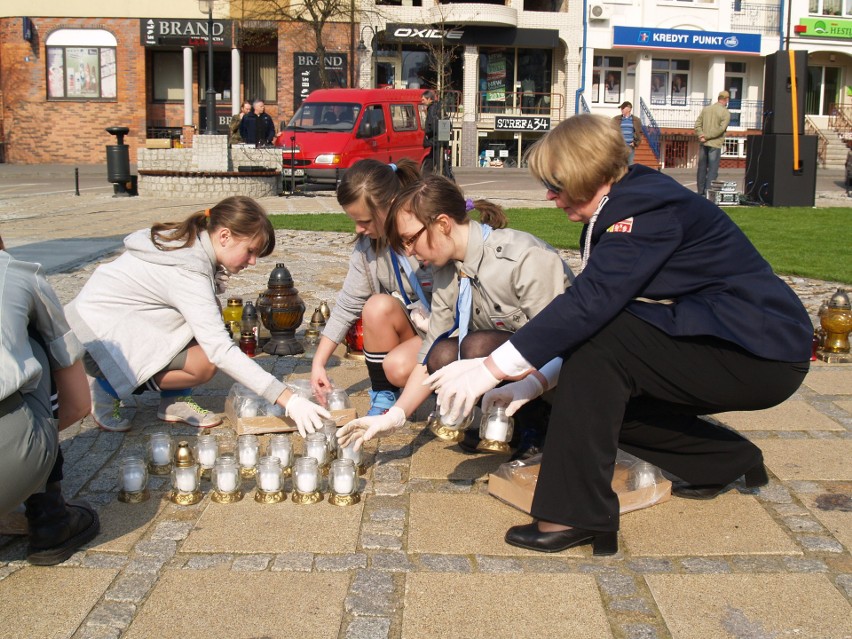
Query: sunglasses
{"x": 551, "y": 187}
{"x": 411, "y": 241}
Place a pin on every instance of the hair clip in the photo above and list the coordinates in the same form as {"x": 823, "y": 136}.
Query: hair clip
{"x": 468, "y": 205}
{"x": 392, "y": 166}
{"x": 206, "y": 212}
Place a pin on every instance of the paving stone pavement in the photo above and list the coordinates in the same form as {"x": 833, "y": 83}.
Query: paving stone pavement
{"x": 423, "y": 555}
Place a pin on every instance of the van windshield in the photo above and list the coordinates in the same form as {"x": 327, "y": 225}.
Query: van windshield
{"x": 325, "y": 116}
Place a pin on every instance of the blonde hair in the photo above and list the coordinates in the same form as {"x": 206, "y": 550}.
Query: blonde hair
{"x": 579, "y": 156}
{"x": 436, "y": 195}
{"x": 242, "y": 215}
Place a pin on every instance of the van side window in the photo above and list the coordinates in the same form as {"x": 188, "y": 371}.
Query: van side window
{"x": 376, "y": 119}
{"x": 402, "y": 117}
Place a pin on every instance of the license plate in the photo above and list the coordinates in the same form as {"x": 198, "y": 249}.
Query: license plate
{"x": 298, "y": 173}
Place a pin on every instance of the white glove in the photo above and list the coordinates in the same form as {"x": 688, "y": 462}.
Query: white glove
{"x": 419, "y": 316}
{"x": 221, "y": 280}
{"x": 513, "y": 395}
{"x": 459, "y": 385}
{"x": 364, "y": 429}
{"x": 307, "y": 415}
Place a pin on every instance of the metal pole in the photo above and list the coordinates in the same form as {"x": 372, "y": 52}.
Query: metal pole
{"x": 211, "y": 92}
{"x": 76, "y": 181}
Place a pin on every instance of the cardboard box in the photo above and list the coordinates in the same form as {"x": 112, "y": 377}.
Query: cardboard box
{"x": 515, "y": 485}
{"x": 271, "y": 424}
{"x": 158, "y": 143}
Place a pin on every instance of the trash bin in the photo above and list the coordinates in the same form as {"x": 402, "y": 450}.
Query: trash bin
{"x": 118, "y": 163}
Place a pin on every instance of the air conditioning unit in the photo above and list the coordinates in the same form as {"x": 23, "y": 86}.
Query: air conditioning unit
{"x": 599, "y": 11}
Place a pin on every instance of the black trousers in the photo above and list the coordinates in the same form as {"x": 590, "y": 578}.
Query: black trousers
{"x": 634, "y": 387}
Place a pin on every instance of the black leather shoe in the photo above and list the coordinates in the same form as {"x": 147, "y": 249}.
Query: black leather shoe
{"x": 531, "y": 538}
{"x": 755, "y": 477}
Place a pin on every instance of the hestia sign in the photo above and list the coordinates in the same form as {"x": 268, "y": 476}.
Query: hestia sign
{"x": 509, "y": 123}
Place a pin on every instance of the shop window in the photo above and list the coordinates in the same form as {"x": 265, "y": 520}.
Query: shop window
{"x": 735, "y": 74}
{"x": 515, "y": 79}
{"x": 221, "y": 77}
{"x": 260, "y": 76}
{"x": 81, "y": 64}
{"x": 669, "y": 82}
{"x": 607, "y": 74}
{"x": 167, "y": 72}
{"x": 402, "y": 117}
{"x": 827, "y": 7}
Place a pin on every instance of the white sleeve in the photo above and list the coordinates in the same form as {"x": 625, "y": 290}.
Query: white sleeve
{"x": 510, "y": 361}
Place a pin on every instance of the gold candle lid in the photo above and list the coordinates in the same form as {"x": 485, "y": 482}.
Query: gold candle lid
{"x": 183, "y": 456}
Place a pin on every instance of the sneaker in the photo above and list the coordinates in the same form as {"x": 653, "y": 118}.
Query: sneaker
{"x": 381, "y": 401}
{"x": 184, "y": 409}
{"x": 109, "y": 412}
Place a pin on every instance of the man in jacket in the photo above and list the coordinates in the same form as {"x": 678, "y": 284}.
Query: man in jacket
{"x": 630, "y": 127}
{"x": 257, "y": 127}
{"x": 430, "y": 128}
{"x": 710, "y": 128}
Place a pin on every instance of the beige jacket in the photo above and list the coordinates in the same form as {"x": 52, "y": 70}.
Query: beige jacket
{"x": 514, "y": 275}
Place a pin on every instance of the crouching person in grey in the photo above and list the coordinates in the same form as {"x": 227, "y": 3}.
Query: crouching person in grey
{"x": 38, "y": 352}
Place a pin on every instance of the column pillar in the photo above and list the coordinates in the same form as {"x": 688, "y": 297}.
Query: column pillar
{"x": 236, "y": 98}
{"x": 469, "y": 141}
{"x": 188, "y": 127}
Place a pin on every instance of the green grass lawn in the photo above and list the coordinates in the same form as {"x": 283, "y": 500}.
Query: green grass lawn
{"x": 808, "y": 242}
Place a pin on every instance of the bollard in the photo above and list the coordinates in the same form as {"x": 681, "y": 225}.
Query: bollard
{"x": 76, "y": 181}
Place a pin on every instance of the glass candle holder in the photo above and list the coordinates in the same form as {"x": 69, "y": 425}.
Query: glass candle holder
{"x": 227, "y": 440}
{"x": 281, "y": 447}
{"x": 642, "y": 475}
{"x": 329, "y": 429}
{"x": 342, "y": 482}
{"x": 269, "y": 481}
{"x": 186, "y": 477}
{"x": 445, "y": 430}
{"x": 132, "y": 480}
{"x": 306, "y": 478}
{"x": 349, "y": 452}
{"x": 248, "y": 447}
{"x": 316, "y": 446}
{"x": 495, "y": 429}
{"x": 160, "y": 449}
{"x": 226, "y": 480}
{"x": 206, "y": 452}
{"x": 338, "y": 400}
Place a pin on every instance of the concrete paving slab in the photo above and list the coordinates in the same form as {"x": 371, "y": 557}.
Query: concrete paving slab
{"x": 488, "y": 606}
{"x": 731, "y": 524}
{"x": 803, "y": 459}
{"x": 845, "y": 405}
{"x": 249, "y": 527}
{"x": 443, "y": 460}
{"x": 791, "y": 415}
{"x": 193, "y": 605}
{"x": 49, "y": 602}
{"x": 834, "y": 511}
{"x": 123, "y": 525}
{"x": 464, "y": 525}
{"x": 834, "y": 380}
{"x": 756, "y": 606}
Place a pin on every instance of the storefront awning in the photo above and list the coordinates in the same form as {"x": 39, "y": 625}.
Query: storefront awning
{"x": 477, "y": 35}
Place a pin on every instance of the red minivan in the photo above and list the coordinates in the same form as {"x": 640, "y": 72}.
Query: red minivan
{"x": 335, "y": 128}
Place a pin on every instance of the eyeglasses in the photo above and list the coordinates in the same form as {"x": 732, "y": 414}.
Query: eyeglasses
{"x": 551, "y": 187}
{"x": 411, "y": 241}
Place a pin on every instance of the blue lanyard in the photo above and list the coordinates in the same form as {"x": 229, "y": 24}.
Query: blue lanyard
{"x": 412, "y": 279}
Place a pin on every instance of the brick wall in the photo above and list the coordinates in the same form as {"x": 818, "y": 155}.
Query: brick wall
{"x": 39, "y": 131}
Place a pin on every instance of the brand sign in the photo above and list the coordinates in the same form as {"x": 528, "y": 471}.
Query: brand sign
{"x": 160, "y": 32}
{"x": 421, "y": 33}
{"x": 826, "y": 27}
{"x": 510, "y": 123}
{"x": 307, "y": 78}
{"x": 684, "y": 40}
{"x": 223, "y": 117}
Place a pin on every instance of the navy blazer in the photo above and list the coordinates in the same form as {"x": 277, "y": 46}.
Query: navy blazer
{"x": 697, "y": 272}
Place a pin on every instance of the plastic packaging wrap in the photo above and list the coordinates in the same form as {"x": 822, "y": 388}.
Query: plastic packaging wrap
{"x": 637, "y": 483}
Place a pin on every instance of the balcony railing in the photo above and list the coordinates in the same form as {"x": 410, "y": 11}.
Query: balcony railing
{"x": 745, "y": 114}
{"x": 550, "y": 105}
{"x": 753, "y": 17}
